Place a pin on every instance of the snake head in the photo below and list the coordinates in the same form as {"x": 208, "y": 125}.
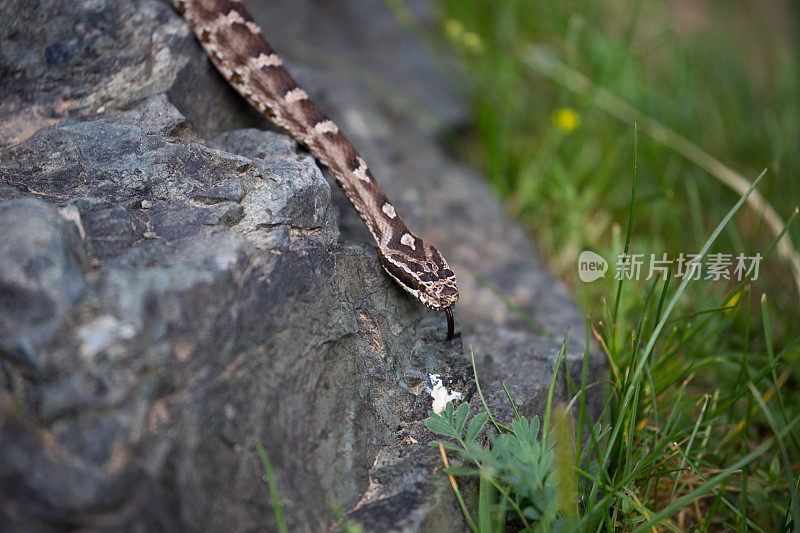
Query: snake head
{"x": 421, "y": 270}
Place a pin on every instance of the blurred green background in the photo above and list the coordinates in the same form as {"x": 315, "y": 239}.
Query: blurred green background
{"x": 724, "y": 75}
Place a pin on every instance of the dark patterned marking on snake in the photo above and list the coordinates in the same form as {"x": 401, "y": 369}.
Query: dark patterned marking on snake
{"x": 238, "y": 49}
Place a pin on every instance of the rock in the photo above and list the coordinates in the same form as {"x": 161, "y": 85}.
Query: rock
{"x": 238, "y": 319}
{"x": 42, "y": 263}
{"x": 81, "y": 59}
{"x": 176, "y": 286}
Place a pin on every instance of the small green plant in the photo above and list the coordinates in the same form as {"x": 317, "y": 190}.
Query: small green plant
{"x": 515, "y": 470}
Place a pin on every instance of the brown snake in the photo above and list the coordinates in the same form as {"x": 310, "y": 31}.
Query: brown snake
{"x": 238, "y": 49}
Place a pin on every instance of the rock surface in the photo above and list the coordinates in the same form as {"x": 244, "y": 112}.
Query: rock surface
{"x": 175, "y": 289}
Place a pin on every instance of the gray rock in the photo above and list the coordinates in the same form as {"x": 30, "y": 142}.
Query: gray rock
{"x": 42, "y": 264}
{"x": 175, "y": 287}
{"x": 195, "y": 333}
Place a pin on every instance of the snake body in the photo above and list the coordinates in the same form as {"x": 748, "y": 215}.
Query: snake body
{"x": 238, "y": 49}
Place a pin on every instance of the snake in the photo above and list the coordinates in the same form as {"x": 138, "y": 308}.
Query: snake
{"x": 238, "y": 49}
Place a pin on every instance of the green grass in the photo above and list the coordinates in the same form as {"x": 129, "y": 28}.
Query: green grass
{"x": 699, "y": 430}
{"x": 658, "y": 456}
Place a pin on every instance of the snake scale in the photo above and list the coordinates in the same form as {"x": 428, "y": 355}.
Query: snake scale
{"x": 238, "y": 49}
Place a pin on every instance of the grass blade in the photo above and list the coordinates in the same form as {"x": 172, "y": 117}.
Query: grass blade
{"x": 630, "y": 219}
{"x": 689, "y": 497}
{"x": 274, "y": 497}
{"x": 668, "y": 310}
{"x": 454, "y": 485}
{"x": 551, "y": 389}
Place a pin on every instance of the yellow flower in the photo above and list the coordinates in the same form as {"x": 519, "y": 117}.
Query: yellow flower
{"x": 454, "y": 29}
{"x": 472, "y": 41}
{"x": 566, "y": 119}
{"x": 734, "y": 301}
